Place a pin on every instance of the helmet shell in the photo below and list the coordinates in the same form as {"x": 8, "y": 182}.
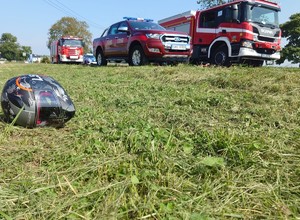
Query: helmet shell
{"x": 36, "y": 100}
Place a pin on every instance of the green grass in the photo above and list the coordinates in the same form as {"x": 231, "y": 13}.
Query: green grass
{"x": 182, "y": 142}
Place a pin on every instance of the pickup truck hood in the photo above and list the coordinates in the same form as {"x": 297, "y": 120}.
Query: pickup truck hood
{"x": 167, "y": 32}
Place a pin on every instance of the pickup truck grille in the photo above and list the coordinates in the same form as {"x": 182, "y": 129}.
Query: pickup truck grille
{"x": 175, "y": 39}
{"x": 176, "y": 43}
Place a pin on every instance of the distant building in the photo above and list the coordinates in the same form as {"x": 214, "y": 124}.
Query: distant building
{"x": 33, "y": 58}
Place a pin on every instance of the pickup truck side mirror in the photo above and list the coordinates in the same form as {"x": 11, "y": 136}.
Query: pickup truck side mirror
{"x": 123, "y": 29}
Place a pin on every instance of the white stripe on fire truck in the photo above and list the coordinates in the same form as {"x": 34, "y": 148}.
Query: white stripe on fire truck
{"x": 228, "y": 30}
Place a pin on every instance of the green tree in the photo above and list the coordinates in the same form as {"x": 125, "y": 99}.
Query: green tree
{"x": 24, "y": 52}
{"x": 291, "y": 31}
{"x": 9, "y": 47}
{"x": 210, "y": 3}
{"x": 70, "y": 26}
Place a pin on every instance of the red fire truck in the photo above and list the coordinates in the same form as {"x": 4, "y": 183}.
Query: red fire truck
{"x": 241, "y": 31}
{"x": 67, "y": 49}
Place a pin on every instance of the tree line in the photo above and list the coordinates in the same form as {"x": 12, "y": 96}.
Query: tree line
{"x": 10, "y": 49}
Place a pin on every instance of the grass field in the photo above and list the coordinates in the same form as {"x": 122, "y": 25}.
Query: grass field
{"x": 172, "y": 142}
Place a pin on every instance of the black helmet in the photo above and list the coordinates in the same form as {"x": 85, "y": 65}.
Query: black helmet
{"x": 36, "y": 100}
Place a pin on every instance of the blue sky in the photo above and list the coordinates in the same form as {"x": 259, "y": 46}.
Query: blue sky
{"x": 31, "y": 20}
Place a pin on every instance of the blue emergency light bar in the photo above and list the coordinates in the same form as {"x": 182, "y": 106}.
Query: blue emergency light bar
{"x": 137, "y": 19}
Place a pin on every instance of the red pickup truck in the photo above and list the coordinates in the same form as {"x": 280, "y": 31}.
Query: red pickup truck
{"x": 140, "y": 41}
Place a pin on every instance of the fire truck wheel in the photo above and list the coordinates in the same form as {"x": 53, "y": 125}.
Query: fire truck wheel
{"x": 137, "y": 56}
{"x": 220, "y": 56}
{"x": 101, "y": 61}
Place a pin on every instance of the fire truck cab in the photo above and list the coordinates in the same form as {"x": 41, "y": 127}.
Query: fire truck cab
{"x": 67, "y": 49}
{"x": 241, "y": 31}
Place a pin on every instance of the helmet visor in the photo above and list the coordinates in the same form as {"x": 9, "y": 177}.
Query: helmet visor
{"x": 48, "y": 109}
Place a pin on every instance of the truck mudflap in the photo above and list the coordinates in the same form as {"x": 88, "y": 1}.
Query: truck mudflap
{"x": 251, "y": 53}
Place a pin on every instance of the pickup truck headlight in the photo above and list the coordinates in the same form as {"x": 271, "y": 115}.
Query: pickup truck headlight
{"x": 153, "y": 36}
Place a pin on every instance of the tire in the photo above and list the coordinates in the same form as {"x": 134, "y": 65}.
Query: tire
{"x": 220, "y": 56}
{"x": 163, "y": 63}
{"x": 101, "y": 61}
{"x": 137, "y": 56}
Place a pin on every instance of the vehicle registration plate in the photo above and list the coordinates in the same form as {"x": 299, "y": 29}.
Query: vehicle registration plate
{"x": 74, "y": 57}
{"x": 178, "y": 47}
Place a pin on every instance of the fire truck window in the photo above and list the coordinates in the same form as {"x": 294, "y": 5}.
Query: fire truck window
{"x": 208, "y": 20}
{"x": 228, "y": 15}
{"x": 263, "y": 15}
{"x": 72, "y": 42}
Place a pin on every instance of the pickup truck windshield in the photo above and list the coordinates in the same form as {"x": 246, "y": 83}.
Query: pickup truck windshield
{"x": 262, "y": 15}
{"x": 75, "y": 43}
{"x": 139, "y": 25}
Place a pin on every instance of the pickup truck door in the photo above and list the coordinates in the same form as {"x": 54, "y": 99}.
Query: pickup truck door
{"x": 110, "y": 41}
{"x": 122, "y": 39}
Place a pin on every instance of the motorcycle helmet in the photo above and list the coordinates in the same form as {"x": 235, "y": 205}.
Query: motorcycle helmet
{"x": 36, "y": 100}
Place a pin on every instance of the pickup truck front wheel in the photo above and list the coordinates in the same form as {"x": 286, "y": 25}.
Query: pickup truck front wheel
{"x": 137, "y": 56}
{"x": 101, "y": 61}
